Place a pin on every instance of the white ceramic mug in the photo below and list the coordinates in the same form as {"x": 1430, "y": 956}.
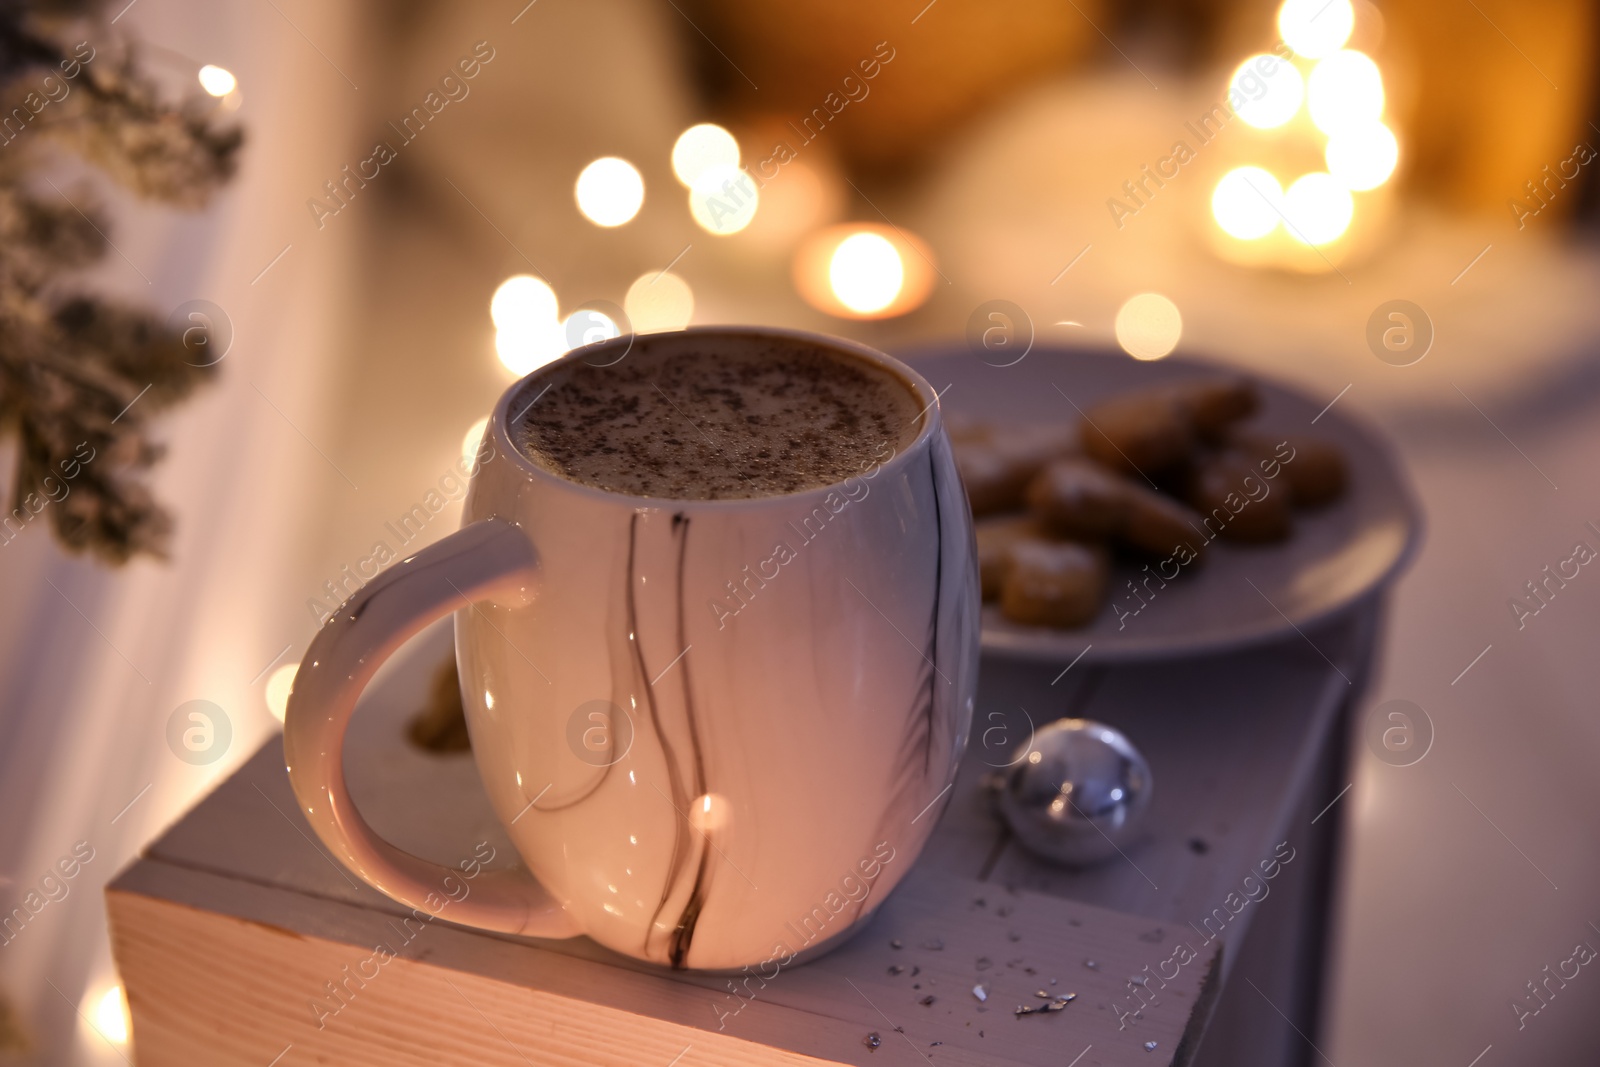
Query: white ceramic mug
{"x": 718, "y": 731}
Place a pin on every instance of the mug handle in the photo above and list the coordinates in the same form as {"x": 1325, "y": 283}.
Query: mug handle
{"x": 488, "y": 559}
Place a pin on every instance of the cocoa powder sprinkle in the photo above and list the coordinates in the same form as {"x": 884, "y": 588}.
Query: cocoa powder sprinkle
{"x": 714, "y": 419}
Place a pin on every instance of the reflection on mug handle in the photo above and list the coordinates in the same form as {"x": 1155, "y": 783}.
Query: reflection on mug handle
{"x": 490, "y": 559}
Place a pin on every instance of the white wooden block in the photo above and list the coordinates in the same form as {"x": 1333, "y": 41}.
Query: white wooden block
{"x": 228, "y": 933}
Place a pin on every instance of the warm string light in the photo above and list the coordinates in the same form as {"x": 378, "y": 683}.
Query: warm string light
{"x": 723, "y": 199}
{"x": 1278, "y": 99}
{"x": 525, "y": 351}
{"x": 530, "y": 330}
{"x": 700, "y": 148}
{"x": 588, "y": 326}
{"x": 108, "y": 1014}
{"x": 1248, "y": 203}
{"x": 1363, "y": 158}
{"x": 1318, "y": 208}
{"x": 866, "y": 273}
{"x": 1342, "y": 93}
{"x": 857, "y": 271}
{"x": 1148, "y": 326}
{"x": 1316, "y": 28}
{"x": 521, "y": 302}
{"x": 527, "y": 324}
{"x": 658, "y": 301}
{"x": 863, "y": 271}
{"x": 610, "y": 191}
{"x": 217, "y": 81}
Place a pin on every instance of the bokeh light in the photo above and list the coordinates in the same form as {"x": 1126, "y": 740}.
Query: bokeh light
{"x": 659, "y": 301}
{"x": 1318, "y": 208}
{"x": 218, "y": 81}
{"x": 1148, "y": 326}
{"x": 1277, "y": 96}
{"x": 586, "y": 326}
{"x": 610, "y": 191}
{"x": 1247, "y": 203}
{"x": 861, "y": 270}
{"x": 723, "y": 199}
{"x": 1363, "y": 157}
{"x": 699, "y": 148}
{"x": 279, "y": 684}
{"x": 108, "y": 1013}
{"x": 1316, "y": 28}
{"x": 1344, "y": 91}
{"x": 528, "y": 330}
{"x": 521, "y": 302}
{"x": 524, "y": 350}
{"x": 866, "y": 273}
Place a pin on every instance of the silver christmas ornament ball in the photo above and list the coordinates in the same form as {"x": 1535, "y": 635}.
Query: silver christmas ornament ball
{"x": 1078, "y": 794}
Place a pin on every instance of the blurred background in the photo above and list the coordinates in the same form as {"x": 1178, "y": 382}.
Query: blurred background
{"x": 1391, "y": 206}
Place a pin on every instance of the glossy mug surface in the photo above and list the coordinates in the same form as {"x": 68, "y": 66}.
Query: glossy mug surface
{"x": 718, "y": 731}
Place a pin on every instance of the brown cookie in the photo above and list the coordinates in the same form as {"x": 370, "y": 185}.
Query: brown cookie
{"x": 1237, "y": 502}
{"x": 1077, "y": 499}
{"x": 1318, "y": 473}
{"x": 996, "y": 463}
{"x": 1080, "y": 500}
{"x": 1314, "y": 469}
{"x": 994, "y": 481}
{"x": 1054, "y": 583}
{"x": 1140, "y": 433}
{"x": 1151, "y": 431}
{"x": 995, "y": 538}
{"x": 1214, "y": 406}
{"x": 1158, "y": 525}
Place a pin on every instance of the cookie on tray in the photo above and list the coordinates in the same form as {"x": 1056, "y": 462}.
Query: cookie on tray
{"x": 998, "y": 462}
{"x": 1314, "y": 469}
{"x": 1054, "y": 583}
{"x": 1152, "y": 431}
{"x": 1081, "y": 500}
{"x": 995, "y": 537}
{"x": 1237, "y": 502}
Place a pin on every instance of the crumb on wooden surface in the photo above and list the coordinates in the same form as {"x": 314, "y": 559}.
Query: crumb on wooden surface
{"x": 441, "y": 726}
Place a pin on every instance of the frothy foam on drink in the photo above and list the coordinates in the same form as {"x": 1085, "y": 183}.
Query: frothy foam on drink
{"x": 701, "y": 417}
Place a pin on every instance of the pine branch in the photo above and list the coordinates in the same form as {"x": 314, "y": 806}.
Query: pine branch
{"x": 82, "y": 378}
{"x": 118, "y": 122}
